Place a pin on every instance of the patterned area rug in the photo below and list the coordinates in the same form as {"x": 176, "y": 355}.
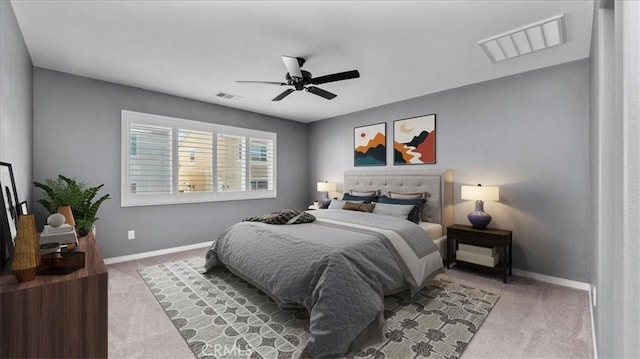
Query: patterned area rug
{"x": 220, "y": 315}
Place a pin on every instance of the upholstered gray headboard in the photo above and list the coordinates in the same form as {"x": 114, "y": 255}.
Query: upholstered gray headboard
{"x": 437, "y": 183}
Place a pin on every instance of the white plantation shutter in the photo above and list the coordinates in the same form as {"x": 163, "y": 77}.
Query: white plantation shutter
{"x": 232, "y": 163}
{"x": 261, "y": 167}
{"x": 150, "y": 159}
{"x": 168, "y": 160}
{"x": 195, "y": 154}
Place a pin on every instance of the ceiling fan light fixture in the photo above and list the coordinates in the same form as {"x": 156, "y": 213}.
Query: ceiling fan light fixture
{"x": 293, "y": 65}
{"x": 301, "y": 79}
{"x": 525, "y": 40}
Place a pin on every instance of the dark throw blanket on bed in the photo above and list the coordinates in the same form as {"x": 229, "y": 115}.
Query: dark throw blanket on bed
{"x": 338, "y": 274}
{"x": 287, "y": 216}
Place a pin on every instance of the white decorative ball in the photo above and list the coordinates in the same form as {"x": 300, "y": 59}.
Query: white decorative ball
{"x": 55, "y": 220}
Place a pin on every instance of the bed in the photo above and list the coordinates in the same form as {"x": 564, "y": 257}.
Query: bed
{"x": 437, "y": 213}
{"x": 341, "y": 265}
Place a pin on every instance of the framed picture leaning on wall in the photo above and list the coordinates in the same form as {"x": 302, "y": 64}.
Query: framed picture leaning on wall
{"x": 10, "y": 212}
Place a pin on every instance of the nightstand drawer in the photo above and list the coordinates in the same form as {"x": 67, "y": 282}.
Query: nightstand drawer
{"x": 480, "y": 239}
{"x": 485, "y": 241}
{"x": 462, "y": 235}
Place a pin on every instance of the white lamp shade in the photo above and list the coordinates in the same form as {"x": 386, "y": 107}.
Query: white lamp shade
{"x": 480, "y": 193}
{"x": 326, "y": 187}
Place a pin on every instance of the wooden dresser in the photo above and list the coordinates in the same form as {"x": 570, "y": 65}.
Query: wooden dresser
{"x": 57, "y": 316}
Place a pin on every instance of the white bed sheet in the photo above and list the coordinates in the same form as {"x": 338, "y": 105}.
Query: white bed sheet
{"x": 434, "y": 229}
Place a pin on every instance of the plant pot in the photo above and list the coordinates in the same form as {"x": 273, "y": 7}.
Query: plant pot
{"x": 82, "y": 232}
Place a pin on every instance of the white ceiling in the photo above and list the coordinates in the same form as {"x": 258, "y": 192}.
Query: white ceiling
{"x": 196, "y": 49}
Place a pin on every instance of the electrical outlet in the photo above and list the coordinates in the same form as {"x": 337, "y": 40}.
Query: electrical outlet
{"x": 593, "y": 292}
{"x": 131, "y": 235}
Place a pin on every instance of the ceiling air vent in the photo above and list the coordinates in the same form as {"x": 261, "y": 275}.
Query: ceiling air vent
{"x": 227, "y": 96}
{"x": 525, "y": 40}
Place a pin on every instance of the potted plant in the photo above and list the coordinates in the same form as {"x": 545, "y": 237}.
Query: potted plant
{"x": 64, "y": 191}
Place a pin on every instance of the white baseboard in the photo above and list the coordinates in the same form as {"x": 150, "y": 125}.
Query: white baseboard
{"x": 159, "y": 252}
{"x": 593, "y": 324}
{"x": 553, "y": 280}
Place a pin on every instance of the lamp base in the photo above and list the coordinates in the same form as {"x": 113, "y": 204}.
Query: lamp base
{"x": 479, "y": 218}
{"x": 325, "y": 202}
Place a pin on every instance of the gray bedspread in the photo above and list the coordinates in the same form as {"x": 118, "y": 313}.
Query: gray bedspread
{"x": 338, "y": 268}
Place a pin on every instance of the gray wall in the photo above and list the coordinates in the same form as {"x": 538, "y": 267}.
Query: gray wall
{"x": 16, "y": 100}
{"x": 529, "y": 134}
{"x": 77, "y": 125}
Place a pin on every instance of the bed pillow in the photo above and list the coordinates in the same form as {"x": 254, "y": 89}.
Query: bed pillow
{"x": 393, "y": 210}
{"x": 352, "y": 198}
{"x": 398, "y": 195}
{"x": 417, "y": 203}
{"x": 362, "y": 207}
{"x": 364, "y": 193}
{"x": 339, "y": 204}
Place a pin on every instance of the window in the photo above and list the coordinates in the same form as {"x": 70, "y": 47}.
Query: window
{"x": 150, "y": 159}
{"x": 169, "y": 160}
{"x": 261, "y": 167}
{"x": 259, "y": 152}
{"x": 231, "y": 164}
{"x": 195, "y": 153}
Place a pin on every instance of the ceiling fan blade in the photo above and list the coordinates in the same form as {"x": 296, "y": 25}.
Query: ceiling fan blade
{"x": 284, "y": 94}
{"x": 353, "y": 74}
{"x": 293, "y": 66}
{"x": 320, "y": 92}
{"x": 264, "y": 82}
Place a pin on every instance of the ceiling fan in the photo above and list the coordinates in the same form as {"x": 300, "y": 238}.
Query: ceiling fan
{"x": 302, "y": 80}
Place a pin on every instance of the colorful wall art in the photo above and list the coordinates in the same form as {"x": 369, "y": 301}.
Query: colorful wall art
{"x": 414, "y": 140}
{"x": 370, "y": 145}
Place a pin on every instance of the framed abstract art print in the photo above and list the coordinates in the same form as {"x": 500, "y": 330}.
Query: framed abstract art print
{"x": 414, "y": 140}
{"x": 370, "y": 145}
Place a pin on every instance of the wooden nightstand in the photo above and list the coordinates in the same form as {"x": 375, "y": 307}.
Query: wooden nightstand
{"x": 487, "y": 238}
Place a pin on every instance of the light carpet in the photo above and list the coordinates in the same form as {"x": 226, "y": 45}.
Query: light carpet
{"x": 220, "y": 315}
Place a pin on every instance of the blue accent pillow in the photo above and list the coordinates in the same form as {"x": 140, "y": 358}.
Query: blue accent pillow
{"x": 365, "y": 199}
{"x": 418, "y": 203}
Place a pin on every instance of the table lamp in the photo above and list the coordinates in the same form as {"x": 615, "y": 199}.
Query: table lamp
{"x": 479, "y": 218}
{"x": 326, "y": 187}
